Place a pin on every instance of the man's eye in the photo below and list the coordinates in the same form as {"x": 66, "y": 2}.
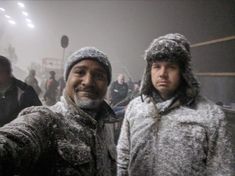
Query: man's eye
{"x": 156, "y": 66}
{"x": 80, "y": 72}
{"x": 99, "y": 76}
{"x": 172, "y": 66}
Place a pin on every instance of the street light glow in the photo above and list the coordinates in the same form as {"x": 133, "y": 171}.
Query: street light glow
{"x": 30, "y": 25}
{"x": 20, "y": 4}
{"x": 25, "y": 13}
{"x": 12, "y": 22}
{"x": 7, "y": 16}
{"x": 28, "y": 20}
{"x": 2, "y": 9}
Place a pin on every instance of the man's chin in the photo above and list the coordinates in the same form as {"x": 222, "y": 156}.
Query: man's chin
{"x": 87, "y": 103}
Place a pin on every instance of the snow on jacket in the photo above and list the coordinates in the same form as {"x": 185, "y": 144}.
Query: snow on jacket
{"x": 183, "y": 141}
{"x": 60, "y": 141}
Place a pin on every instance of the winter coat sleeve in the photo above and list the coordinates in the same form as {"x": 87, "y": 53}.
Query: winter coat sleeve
{"x": 123, "y": 147}
{"x": 29, "y": 98}
{"x": 24, "y": 140}
{"x": 220, "y": 155}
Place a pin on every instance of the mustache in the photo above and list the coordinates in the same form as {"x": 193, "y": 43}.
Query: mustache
{"x": 86, "y": 89}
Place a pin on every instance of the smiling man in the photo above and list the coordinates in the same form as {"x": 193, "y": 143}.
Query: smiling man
{"x": 73, "y": 137}
{"x": 171, "y": 129}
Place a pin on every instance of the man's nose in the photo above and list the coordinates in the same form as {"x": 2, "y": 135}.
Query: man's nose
{"x": 163, "y": 72}
{"x": 88, "y": 80}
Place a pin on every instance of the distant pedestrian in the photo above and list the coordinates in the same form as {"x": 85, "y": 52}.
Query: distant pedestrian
{"x": 32, "y": 81}
{"x": 51, "y": 89}
{"x": 118, "y": 90}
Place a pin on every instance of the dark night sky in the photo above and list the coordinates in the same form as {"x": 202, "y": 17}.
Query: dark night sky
{"x": 124, "y": 29}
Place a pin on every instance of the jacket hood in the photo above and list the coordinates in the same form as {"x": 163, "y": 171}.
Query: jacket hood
{"x": 173, "y": 48}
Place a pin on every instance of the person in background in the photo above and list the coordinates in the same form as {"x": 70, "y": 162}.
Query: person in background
{"x": 32, "y": 81}
{"x": 15, "y": 95}
{"x": 61, "y": 85}
{"x": 71, "y": 138}
{"x": 51, "y": 89}
{"x": 170, "y": 129}
{"x": 120, "y": 107}
{"x": 130, "y": 84}
{"x": 118, "y": 90}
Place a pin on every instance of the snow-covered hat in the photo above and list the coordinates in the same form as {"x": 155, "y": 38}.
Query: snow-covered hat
{"x": 173, "y": 48}
{"x": 88, "y": 53}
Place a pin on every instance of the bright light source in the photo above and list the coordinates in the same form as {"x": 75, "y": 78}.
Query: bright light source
{"x": 30, "y": 25}
{"x": 20, "y": 4}
{"x": 7, "y": 16}
{"x": 2, "y": 9}
{"x": 11, "y": 21}
{"x": 25, "y": 13}
{"x": 28, "y": 20}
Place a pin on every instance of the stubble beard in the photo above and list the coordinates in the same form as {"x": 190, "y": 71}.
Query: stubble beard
{"x": 87, "y": 103}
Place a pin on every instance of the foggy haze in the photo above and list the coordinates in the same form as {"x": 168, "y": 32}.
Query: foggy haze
{"x": 122, "y": 29}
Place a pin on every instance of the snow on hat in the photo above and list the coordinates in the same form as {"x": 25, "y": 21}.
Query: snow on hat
{"x": 171, "y": 48}
{"x": 88, "y": 53}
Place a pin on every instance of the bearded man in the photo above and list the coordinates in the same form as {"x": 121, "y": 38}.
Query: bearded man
{"x": 71, "y": 138}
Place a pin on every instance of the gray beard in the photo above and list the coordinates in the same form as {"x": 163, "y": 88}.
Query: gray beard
{"x": 87, "y": 104}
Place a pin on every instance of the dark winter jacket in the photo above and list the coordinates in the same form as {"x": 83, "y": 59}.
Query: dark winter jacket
{"x": 118, "y": 92}
{"x": 60, "y": 141}
{"x": 16, "y": 98}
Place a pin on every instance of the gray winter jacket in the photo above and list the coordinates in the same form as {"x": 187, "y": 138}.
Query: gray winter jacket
{"x": 183, "y": 141}
{"x": 60, "y": 141}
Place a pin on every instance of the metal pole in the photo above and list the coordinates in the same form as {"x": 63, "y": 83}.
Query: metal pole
{"x": 213, "y": 41}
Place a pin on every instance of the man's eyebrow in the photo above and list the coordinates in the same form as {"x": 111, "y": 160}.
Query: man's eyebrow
{"x": 79, "y": 66}
{"x": 100, "y": 70}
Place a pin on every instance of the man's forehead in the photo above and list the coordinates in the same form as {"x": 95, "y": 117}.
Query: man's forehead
{"x": 165, "y": 62}
{"x": 89, "y": 63}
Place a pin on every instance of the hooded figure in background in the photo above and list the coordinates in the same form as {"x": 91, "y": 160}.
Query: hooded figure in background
{"x": 170, "y": 129}
{"x": 71, "y": 138}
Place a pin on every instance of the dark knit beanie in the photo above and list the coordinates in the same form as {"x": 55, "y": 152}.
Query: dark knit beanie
{"x": 88, "y": 53}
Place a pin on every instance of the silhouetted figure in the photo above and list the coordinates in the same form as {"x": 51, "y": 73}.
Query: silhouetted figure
{"x": 51, "y": 89}
{"x": 61, "y": 86}
{"x": 15, "y": 95}
{"x": 32, "y": 81}
{"x": 118, "y": 90}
